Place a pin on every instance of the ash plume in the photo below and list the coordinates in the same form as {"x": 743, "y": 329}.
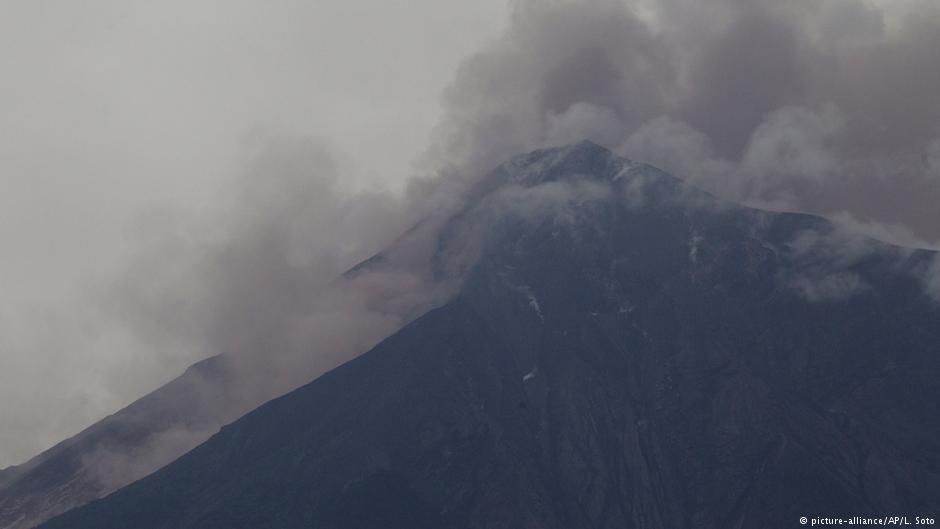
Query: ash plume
{"x": 823, "y": 106}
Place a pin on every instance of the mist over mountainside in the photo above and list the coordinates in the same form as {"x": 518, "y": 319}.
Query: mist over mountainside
{"x": 125, "y": 446}
{"x": 624, "y": 351}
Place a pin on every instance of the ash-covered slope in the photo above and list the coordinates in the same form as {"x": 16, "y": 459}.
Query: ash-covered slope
{"x": 623, "y": 353}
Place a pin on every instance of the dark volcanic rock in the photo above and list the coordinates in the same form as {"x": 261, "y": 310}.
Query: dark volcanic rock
{"x": 644, "y": 357}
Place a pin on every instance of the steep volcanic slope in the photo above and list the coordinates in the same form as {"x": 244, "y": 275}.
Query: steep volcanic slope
{"x": 121, "y": 448}
{"x": 622, "y": 354}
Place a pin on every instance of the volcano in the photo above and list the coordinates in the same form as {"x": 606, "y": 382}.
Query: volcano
{"x": 623, "y": 351}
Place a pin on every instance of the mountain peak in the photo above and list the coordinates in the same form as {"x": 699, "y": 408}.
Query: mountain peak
{"x": 582, "y": 159}
{"x": 587, "y": 148}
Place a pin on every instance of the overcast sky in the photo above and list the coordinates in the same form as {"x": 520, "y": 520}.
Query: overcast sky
{"x": 114, "y": 112}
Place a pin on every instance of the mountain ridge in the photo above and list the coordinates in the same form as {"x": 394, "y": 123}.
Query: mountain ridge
{"x": 57, "y": 479}
{"x": 616, "y": 359}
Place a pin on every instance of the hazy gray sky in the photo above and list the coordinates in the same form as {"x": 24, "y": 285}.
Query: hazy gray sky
{"x": 114, "y": 112}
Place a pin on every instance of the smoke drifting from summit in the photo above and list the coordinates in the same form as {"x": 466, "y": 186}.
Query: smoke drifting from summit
{"x": 824, "y": 106}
